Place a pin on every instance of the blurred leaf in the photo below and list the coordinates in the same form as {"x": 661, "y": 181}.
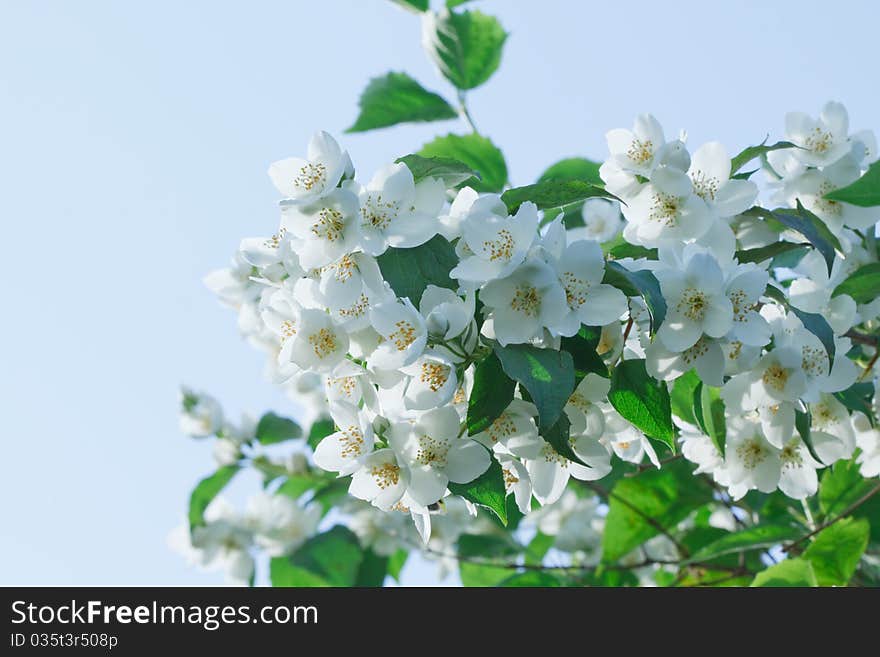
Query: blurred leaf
{"x": 791, "y": 572}
{"x": 275, "y": 429}
{"x": 863, "y": 285}
{"x": 754, "y": 538}
{"x": 836, "y": 550}
{"x": 206, "y": 490}
{"x": 319, "y": 430}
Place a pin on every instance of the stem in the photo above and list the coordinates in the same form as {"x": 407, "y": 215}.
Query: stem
{"x": 870, "y": 365}
{"x": 852, "y": 507}
{"x": 861, "y": 338}
{"x": 465, "y": 113}
{"x": 808, "y": 515}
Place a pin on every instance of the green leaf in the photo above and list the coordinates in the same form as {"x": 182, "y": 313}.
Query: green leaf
{"x": 547, "y": 375}
{"x": 396, "y": 562}
{"x": 859, "y": 397}
{"x": 802, "y": 422}
{"x": 813, "y": 322}
{"x": 864, "y": 192}
{"x": 487, "y": 550}
{"x": 206, "y": 490}
{"x": 449, "y": 170}
{"x": 491, "y": 394}
{"x": 753, "y": 538}
{"x": 478, "y": 153}
{"x": 553, "y": 194}
{"x": 410, "y": 271}
{"x": 791, "y": 572}
{"x": 641, "y": 283}
{"x": 319, "y": 430}
{"x": 297, "y": 486}
{"x": 836, "y": 550}
{"x": 863, "y": 285}
{"x": 532, "y": 578}
{"x": 619, "y": 248}
{"x": 372, "y": 570}
{"x": 559, "y": 436}
{"x": 416, "y": 6}
{"x": 333, "y": 557}
{"x": 682, "y": 396}
{"x": 465, "y": 46}
{"x": 276, "y": 429}
{"x": 642, "y": 400}
{"x": 453, "y": 3}
{"x": 750, "y": 153}
{"x": 665, "y": 496}
{"x": 709, "y": 413}
{"x": 282, "y": 573}
{"x": 538, "y": 548}
{"x": 582, "y": 348}
{"x": 573, "y": 168}
{"x": 842, "y": 486}
{"x": 487, "y": 490}
{"x": 807, "y": 224}
{"x": 397, "y": 98}
{"x": 761, "y": 253}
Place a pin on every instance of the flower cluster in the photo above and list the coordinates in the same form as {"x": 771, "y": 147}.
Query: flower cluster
{"x": 735, "y": 309}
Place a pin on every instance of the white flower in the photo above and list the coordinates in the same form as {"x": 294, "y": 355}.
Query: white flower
{"x": 831, "y": 430}
{"x": 325, "y": 229}
{"x": 317, "y": 343}
{"x": 584, "y": 407}
{"x": 524, "y": 303}
{"x": 224, "y": 543}
{"x": 200, "y": 414}
{"x": 273, "y": 256}
{"x": 813, "y": 291}
{"x": 446, "y": 314}
{"x": 705, "y": 355}
{"x": 798, "y": 477}
{"x": 821, "y": 141}
{"x": 226, "y": 451}
{"x": 745, "y": 286}
{"x": 343, "y": 450}
{"x": 626, "y": 441}
{"x": 450, "y": 222}
{"x": 233, "y": 285}
{"x": 432, "y": 383}
{"x": 516, "y": 481}
{"x": 280, "y": 524}
{"x": 710, "y": 174}
{"x": 403, "y": 332}
{"x": 602, "y": 221}
{"x": 868, "y": 440}
{"x": 635, "y": 151}
{"x": 493, "y": 244}
{"x": 696, "y": 303}
{"x": 312, "y": 178}
{"x": 397, "y": 212}
{"x": 380, "y": 479}
{"x": 435, "y": 455}
{"x": 750, "y": 462}
{"x": 666, "y": 209}
{"x": 581, "y": 269}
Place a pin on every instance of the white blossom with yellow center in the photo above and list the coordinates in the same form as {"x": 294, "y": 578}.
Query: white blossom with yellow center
{"x": 344, "y": 450}
{"x": 318, "y": 174}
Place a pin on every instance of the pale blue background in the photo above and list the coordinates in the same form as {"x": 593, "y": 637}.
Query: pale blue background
{"x": 134, "y": 139}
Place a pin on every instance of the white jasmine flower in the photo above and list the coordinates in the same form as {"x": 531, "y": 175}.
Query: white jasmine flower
{"x": 403, "y": 331}
{"x": 325, "y": 229}
{"x": 343, "y": 450}
{"x": 200, "y": 414}
{"x": 311, "y": 178}
{"x": 821, "y": 141}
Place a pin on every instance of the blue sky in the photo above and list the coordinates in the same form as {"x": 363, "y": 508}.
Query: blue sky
{"x": 134, "y": 140}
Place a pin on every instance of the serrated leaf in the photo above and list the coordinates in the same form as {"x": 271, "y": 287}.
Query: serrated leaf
{"x": 475, "y": 151}
{"x": 836, "y": 550}
{"x": 396, "y": 98}
{"x": 863, "y": 285}
{"x": 273, "y": 428}
{"x": 864, "y": 192}
{"x": 491, "y": 394}
{"x": 466, "y": 46}
{"x": 547, "y": 375}
{"x": 641, "y": 283}
{"x": 487, "y": 490}
{"x": 410, "y": 271}
{"x": 642, "y": 401}
{"x": 751, "y": 152}
{"x": 205, "y": 492}
{"x": 553, "y": 194}
{"x": 788, "y": 573}
{"x": 451, "y": 171}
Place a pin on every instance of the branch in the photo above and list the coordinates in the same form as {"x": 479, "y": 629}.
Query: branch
{"x": 862, "y": 338}
{"x": 852, "y": 507}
